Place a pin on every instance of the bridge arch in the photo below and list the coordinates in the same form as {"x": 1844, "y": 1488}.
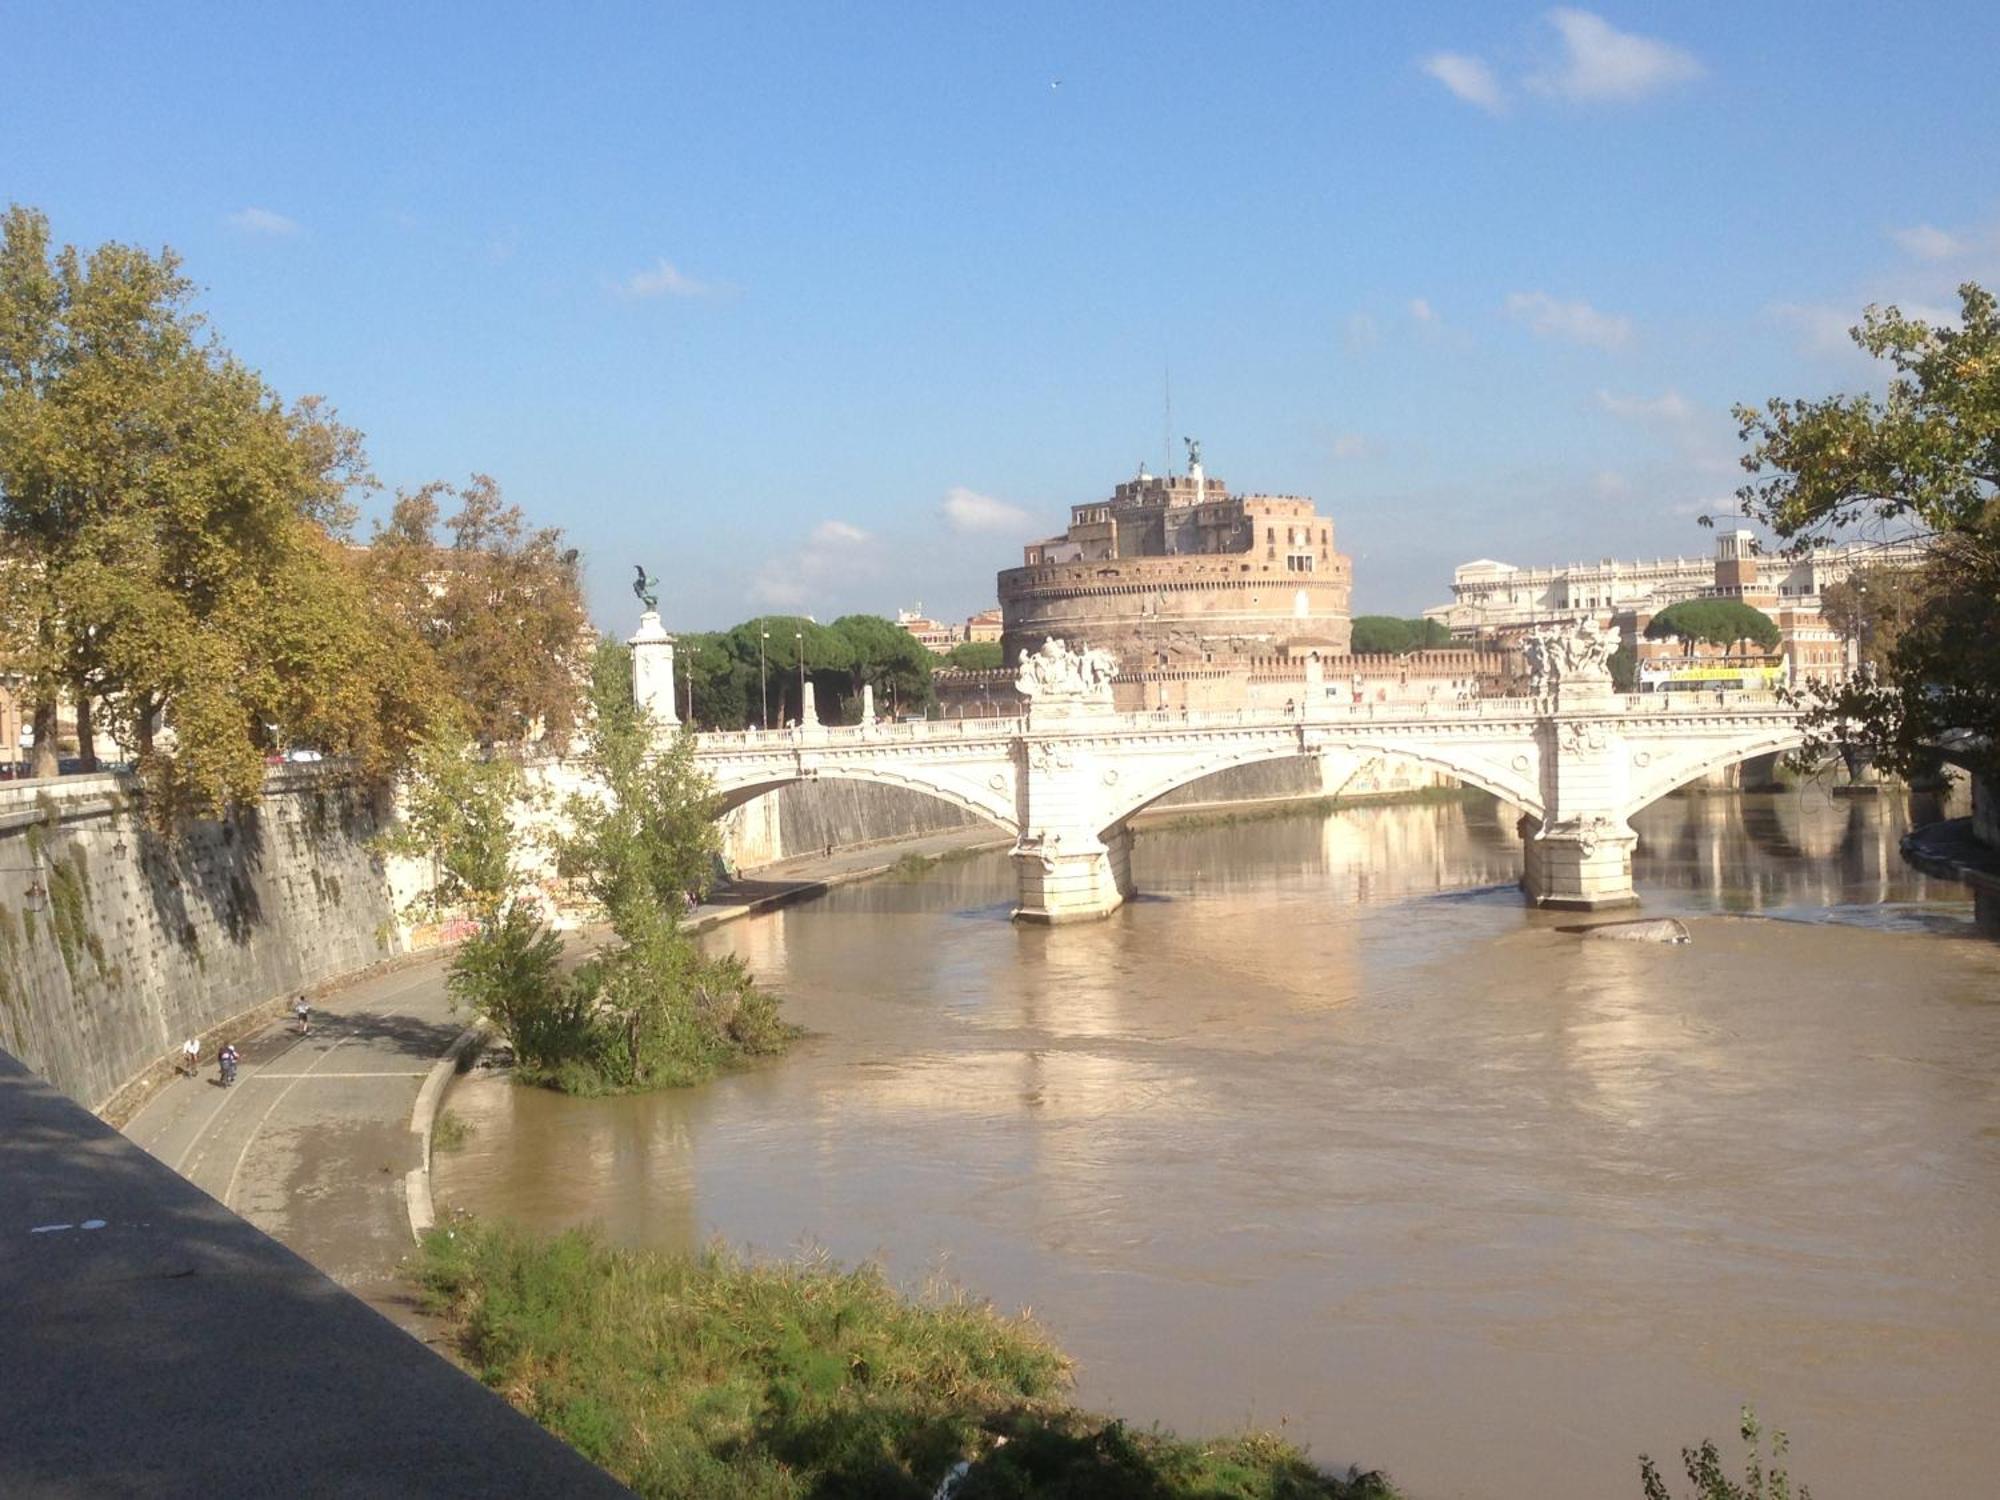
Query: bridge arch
{"x": 1655, "y": 781}
{"x": 990, "y": 805}
{"x": 1508, "y": 785}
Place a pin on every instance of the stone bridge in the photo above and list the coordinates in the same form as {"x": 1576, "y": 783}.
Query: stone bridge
{"x": 1578, "y": 760}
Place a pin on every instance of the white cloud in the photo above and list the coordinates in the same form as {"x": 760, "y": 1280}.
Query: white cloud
{"x": 1928, "y": 242}
{"x": 1577, "y": 322}
{"x": 838, "y": 555}
{"x": 1609, "y": 484}
{"x": 1352, "y": 445}
{"x": 1705, "y": 442}
{"x": 665, "y": 280}
{"x": 263, "y": 221}
{"x": 1600, "y": 62}
{"x": 1468, "y": 78}
{"x": 968, "y": 510}
{"x": 1422, "y": 311}
{"x": 1670, "y": 407}
{"x": 838, "y": 534}
{"x": 1360, "y": 333}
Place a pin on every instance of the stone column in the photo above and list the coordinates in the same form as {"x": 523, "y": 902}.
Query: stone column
{"x": 1579, "y": 856}
{"x": 867, "y": 705}
{"x": 1582, "y": 864}
{"x": 653, "y": 672}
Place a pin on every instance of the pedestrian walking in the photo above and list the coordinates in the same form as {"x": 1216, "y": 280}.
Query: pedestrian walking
{"x": 302, "y": 1013}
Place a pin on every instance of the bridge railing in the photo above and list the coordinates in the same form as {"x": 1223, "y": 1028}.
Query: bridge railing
{"x": 1468, "y": 710}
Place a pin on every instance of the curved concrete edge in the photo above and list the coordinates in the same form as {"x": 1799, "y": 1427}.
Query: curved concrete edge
{"x": 423, "y": 1122}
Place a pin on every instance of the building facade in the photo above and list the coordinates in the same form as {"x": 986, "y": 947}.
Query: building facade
{"x": 1497, "y": 601}
{"x": 1178, "y": 573}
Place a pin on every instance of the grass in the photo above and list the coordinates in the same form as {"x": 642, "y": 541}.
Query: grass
{"x": 719, "y": 1376}
{"x": 450, "y": 1133}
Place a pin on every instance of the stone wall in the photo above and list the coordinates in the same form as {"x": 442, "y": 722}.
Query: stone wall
{"x": 1986, "y": 811}
{"x": 115, "y": 944}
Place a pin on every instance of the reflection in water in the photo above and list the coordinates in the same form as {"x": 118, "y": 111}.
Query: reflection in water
{"x": 1331, "y": 1128}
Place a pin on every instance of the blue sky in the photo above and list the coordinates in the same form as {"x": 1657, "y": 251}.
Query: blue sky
{"x": 829, "y": 307}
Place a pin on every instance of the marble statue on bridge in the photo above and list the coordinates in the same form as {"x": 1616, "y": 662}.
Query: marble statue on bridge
{"x": 1058, "y": 671}
{"x": 1579, "y": 656}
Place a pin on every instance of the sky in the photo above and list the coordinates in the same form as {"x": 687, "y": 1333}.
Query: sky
{"x": 830, "y": 307}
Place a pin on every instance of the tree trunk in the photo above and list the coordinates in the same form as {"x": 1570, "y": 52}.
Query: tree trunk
{"x": 86, "y": 730}
{"x": 42, "y": 760}
{"x": 146, "y": 726}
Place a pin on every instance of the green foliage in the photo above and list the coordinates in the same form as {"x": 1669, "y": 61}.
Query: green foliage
{"x": 975, "y": 656}
{"x": 1925, "y": 456}
{"x": 1872, "y": 607}
{"x": 1705, "y": 1472}
{"x": 511, "y": 973}
{"x": 650, "y": 838}
{"x": 498, "y": 604}
{"x": 69, "y": 888}
{"x": 168, "y": 530}
{"x": 716, "y": 1376}
{"x": 1376, "y": 634}
{"x": 455, "y": 813}
{"x": 1624, "y": 666}
{"x": 889, "y": 659}
{"x": 450, "y": 1132}
{"x": 1727, "y": 623}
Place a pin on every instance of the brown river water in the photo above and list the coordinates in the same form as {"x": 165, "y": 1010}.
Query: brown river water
{"x": 1328, "y": 1131}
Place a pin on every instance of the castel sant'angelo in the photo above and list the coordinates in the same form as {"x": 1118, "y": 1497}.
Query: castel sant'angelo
{"x": 1178, "y": 573}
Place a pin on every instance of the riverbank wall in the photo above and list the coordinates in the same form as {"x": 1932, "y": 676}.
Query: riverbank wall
{"x": 116, "y": 943}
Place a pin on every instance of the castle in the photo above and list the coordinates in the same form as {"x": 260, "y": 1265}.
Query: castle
{"x": 1177, "y": 573}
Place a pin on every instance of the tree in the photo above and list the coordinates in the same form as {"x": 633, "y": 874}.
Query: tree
{"x": 1727, "y": 623}
{"x": 975, "y": 656}
{"x": 1386, "y": 634}
{"x": 1924, "y": 456}
{"x": 457, "y": 813}
{"x": 168, "y": 534}
{"x": 826, "y": 654}
{"x": 1624, "y": 666}
{"x": 500, "y": 604}
{"x": 889, "y": 659}
{"x": 1872, "y": 607}
{"x": 650, "y": 838}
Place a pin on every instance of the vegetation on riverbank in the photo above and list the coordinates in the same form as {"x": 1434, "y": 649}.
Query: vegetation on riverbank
{"x": 652, "y": 1010}
{"x": 717, "y": 1376}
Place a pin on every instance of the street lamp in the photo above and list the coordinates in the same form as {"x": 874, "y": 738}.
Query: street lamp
{"x": 763, "y": 686}
{"x": 799, "y": 649}
{"x": 687, "y": 671}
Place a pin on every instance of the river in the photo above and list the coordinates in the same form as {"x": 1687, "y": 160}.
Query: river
{"x": 1327, "y": 1130}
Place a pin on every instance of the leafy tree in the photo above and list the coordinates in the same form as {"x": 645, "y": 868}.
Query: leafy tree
{"x": 1727, "y": 623}
{"x": 1624, "y": 666}
{"x": 457, "y": 806}
{"x": 1924, "y": 456}
{"x": 167, "y": 527}
{"x": 650, "y": 838}
{"x": 1762, "y": 1479}
{"x": 1872, "y": 607}
{"x": 889, "y": 659}
{"x": 500, "y": 603}
{"x": 826, "y": 654}
{"x": 975, "y": 656}
{"x": 1386, "y": 634}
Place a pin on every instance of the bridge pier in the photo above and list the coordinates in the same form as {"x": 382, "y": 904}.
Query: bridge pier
{"x": 1580, "y": 864}
{"x": 1072, "y": 876}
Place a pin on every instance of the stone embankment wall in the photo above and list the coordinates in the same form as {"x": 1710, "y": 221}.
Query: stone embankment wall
{"x": 1986, "y": 811}
{"x": 115, "y": 943}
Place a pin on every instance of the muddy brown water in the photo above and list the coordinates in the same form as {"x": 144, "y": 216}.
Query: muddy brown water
{"x": 1329, "y": 1132}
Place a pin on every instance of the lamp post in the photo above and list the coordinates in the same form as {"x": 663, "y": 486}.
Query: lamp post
{"x": 687, "y": 671}
{"x": 799, "y": 650}
{"x": 763, "y": 685}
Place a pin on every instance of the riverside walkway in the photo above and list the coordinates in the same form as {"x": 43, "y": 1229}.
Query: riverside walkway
{"x": 314, "y": 1145}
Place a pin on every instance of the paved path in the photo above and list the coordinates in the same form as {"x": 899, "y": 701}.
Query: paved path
{"x": 313, "y": 1144}
{"x": 154, "y": 1345}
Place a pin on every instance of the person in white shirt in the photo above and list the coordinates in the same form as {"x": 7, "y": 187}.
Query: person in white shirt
{"x": 191, "y": 1056}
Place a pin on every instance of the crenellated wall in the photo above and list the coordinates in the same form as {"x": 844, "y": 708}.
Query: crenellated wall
{"x": 116, "y": 944}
